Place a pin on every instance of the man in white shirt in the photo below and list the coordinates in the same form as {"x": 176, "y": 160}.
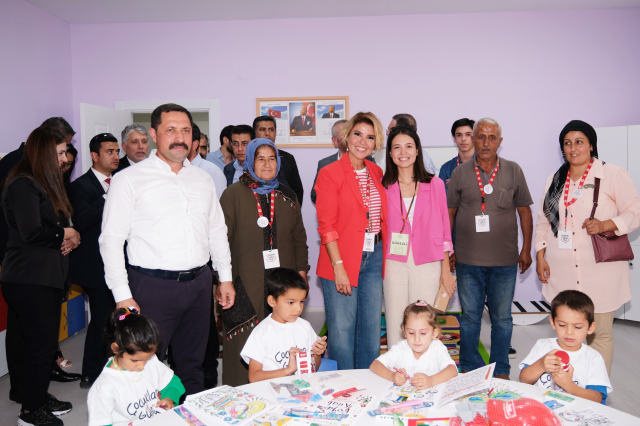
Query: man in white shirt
{"x": 87, "y": 197}
{"x": 168, "y": 213}
{"x": 135, "y": 144}
{"x": 408, "y": 120}
{"x": 196, "y": 160}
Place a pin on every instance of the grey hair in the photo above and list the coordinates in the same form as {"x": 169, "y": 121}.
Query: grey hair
{"x": 333, "y": 128}
{"x": 487, "y": 120}
{"x": 134, "y": 128}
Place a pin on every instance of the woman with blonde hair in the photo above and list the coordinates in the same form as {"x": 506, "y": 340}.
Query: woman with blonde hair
{"x": 352, "y": 208}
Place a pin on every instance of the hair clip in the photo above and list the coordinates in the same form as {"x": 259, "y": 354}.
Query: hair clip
{"x": 421, "y": 303}
{"x": 130, "y": 310}
{"x": 123, "y": 316}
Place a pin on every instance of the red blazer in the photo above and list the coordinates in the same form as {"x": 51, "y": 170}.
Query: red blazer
{"x": 341, "y": 215}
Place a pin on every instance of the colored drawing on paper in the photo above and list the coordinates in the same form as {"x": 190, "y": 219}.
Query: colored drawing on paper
{"x": 229, "y": 405}
{"x": 584, "y": 418}
{"x": 289, "y": 391}
{"x": 187, "y": 416}
{"x": 273, "y": 418}
{"x": 560, "y": 396}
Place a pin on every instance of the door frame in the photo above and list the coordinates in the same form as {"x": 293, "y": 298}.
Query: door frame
{"x": 210, "y": 106}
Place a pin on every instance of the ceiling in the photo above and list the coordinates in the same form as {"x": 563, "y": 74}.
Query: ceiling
{"x": 124, "y": 11}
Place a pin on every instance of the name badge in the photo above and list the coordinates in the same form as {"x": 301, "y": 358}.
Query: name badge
{"x": 482, "y": 223}
{"x": 565, "y": 240}
{"x": 271, "y": 259}
{"x": 399, "y": 244}
{"x": 369, "y": 241}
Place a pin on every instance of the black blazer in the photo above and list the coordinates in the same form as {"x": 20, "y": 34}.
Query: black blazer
{"x": 8, "y": 162}
{"x": 122, "y": 164}
{"x": 86, "y": 196}
{"x": 328, "y": 115}
{"x": 289, "y": 170}
{"x": 34, "y": 254}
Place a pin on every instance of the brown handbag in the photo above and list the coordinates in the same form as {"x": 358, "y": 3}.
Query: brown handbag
{"x": 609, "y": 247}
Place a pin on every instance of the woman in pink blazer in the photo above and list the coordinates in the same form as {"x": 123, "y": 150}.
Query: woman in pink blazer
{"x": 418, "y": 231}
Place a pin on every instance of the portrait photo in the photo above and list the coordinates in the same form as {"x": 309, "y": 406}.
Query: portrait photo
{"x": 302, "y": 119}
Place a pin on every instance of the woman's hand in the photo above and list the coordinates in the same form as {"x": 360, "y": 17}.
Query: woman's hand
{"x": 341, "y": 279}
{"x": 542, "y": 267}
{"x": 71, "y": 240}
{"x": 595, "y": 226}
{"x": 448, "y": 281}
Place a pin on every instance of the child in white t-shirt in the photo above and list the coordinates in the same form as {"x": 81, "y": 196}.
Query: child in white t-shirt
{"x": 572, "y": 317}
{"x": 274, "y": 344}
{"x": 421, "y": 358}
{"x": 134, "y": 385}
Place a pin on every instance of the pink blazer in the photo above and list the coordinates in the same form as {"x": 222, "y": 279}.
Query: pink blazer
{"x": 430, "y": 228}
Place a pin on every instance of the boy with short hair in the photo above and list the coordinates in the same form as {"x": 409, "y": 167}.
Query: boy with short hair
{"x": 572, "y": 317}
{"x": 273, "y": 346}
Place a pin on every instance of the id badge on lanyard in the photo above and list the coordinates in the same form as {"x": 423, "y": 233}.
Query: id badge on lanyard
{"x": 482, "y": 221}
{"x": 369, "y": 242}
{"x": 399, "y": 241}
{"x": 369, "y": 237}
{"x": 270, "y": 257}
{"x": 565, "y": 238}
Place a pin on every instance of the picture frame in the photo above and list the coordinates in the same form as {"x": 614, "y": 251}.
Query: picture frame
{"x": 304, "y": 122}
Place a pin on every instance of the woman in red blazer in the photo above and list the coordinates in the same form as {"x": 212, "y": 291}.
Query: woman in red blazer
{"x": 352, "y": 206}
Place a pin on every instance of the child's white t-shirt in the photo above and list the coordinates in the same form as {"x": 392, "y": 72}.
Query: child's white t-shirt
{"x": 114, "y": 400}
{"x": 271, "y": 341}
{"x": 589, "y": 369}
{"x": 433, "y": 361}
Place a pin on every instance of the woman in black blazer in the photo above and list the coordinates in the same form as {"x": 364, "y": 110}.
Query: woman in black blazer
{"x": 35, "y": 272}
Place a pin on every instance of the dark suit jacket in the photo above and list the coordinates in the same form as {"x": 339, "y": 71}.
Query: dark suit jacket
{"x": 289, "y": 174}
{"x": 328, "y": 115}
{"x": 86, "y": 196}
{"x": 299, "y": 124}
{"x": 123, "y": 164}
{"x": 325, "y": 162}
{"x": 8, "y": 162}
{"x": 35, "y": 237}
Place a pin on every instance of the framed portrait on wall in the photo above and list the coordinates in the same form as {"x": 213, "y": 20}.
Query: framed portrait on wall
{"x": 304, "y": 122}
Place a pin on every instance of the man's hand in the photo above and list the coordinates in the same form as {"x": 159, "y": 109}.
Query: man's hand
{"x": 128, "y": 303}
{"x": 452, "y": 262}
{"x": 447, "y": 182}
{"x": 226, "y": 294}
{"x": 525, "y": 260}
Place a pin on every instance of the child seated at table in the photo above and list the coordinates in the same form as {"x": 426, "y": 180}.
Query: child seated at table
{"x": 421, "y": 358}
{"x": 134, "y": 383}
{"x": 572, "y": 317}
{"x": 273, "y": 346}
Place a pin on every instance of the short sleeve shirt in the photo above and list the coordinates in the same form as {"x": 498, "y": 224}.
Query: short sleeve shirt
{"x": 433, "y": 361}
{"x": 499, "y": 246}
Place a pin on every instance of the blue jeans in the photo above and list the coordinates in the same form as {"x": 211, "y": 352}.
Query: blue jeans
{"x": 497, "y": 283}
{"x": 354, "y": 321}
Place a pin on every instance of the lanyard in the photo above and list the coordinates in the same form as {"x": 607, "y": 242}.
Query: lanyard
{"x": 493, "y": 176}
{"x": 458, "y": 160}
{"x": 366, "y": 196}
{"x": 566, "y": 191}
{"x": 273, "y": 199}
{"x": 404, "y": 219}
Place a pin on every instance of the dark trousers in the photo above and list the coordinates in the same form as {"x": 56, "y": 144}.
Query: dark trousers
{"x": 33, "y": 325}
{"x": 181, "y": 310}
{"x": 101, "y": 304}
{"x": 210, "y": 364}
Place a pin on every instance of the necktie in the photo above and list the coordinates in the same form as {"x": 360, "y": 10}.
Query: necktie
{"x": 108, "y": 181}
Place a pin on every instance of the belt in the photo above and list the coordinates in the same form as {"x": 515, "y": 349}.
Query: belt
{"x": 189, "y": 275}
{"x": 378, "y": 237}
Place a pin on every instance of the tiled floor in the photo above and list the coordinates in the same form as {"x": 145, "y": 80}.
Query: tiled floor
{"x": 625, "y": 375}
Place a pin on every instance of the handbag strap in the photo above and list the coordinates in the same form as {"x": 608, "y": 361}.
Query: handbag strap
{"x": 596, "y": 192}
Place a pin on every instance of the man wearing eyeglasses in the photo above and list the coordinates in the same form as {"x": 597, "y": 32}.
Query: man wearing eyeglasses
{"x": 241, "y": 135}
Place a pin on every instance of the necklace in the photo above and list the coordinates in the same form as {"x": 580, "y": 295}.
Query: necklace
{"x": 122, "y": 372}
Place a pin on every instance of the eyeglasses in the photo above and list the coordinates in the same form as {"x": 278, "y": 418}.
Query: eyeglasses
{"x": 236, "y": 144}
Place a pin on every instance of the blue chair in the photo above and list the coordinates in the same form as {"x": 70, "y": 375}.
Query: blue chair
{"x": 328, "y": 365}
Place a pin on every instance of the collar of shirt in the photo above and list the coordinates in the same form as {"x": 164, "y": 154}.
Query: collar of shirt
{"x": 101, "y": 177}
{"x": 131, "y": 163}
{"x": 237, "y": 166}
{"x": 197, "y": 160}
{"x": 475, "y": 161}
{"x": 160, "y": 163}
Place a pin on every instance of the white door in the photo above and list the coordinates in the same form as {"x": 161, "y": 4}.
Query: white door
{"x": 95, "y": 120}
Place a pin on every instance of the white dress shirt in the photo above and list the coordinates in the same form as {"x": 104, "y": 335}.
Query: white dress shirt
{"x": 170, "y": 221}
{"x": 101, "y": 179}
{"x": 219, "y": 180}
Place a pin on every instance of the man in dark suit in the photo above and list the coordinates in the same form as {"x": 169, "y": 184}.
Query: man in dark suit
{"x": 331, "y": 113}
{"x": 301, "y": 122}
{"x": 342, "y": 149}
{"x": 87, "y": 195}
{"x": 135, "y": 144}
{"x": 265, "y": 127}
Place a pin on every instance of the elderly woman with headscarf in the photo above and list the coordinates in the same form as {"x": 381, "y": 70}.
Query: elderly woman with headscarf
{"x": 265, "y": 231}
{"x": 565, "y": 254}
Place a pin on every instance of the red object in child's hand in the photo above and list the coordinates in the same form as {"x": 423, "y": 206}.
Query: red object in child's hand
{"x": 564, "y": 357}
{"x": 521, "y": 412}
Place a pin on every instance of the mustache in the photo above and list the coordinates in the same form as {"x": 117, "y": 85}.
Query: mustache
{"x": 176, "y": 144}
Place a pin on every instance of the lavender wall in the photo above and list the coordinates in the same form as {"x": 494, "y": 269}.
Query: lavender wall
{"x": 532, "y": 71}
{"x": 35, "y": 64}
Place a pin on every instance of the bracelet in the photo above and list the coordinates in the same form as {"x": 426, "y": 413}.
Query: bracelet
{"x": 333, "y": 264}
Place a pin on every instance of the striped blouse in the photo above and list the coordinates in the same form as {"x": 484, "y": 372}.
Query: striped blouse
{"x": 376, "y": 202}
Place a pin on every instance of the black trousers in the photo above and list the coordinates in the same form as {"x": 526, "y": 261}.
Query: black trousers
{"x": 181, "y": 310}
{"x": 33, "y": 326}
{"x": 210, "y": 364}
{"x": 101, "y": 304}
